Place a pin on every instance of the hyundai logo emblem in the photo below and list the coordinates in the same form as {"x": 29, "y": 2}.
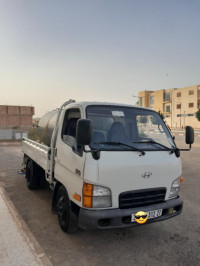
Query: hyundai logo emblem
{"x": 146, "y": 174}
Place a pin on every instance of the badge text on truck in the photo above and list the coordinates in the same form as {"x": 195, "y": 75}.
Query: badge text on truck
{"x": 146, "y": 174}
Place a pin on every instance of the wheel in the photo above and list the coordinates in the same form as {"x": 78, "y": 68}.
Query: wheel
{"x": 67, "y": 219}
{"x": 32, "y": 175}
{"x": 42, "y": 183}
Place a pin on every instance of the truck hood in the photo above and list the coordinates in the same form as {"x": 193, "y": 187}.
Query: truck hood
{"x": 127, "y": 171}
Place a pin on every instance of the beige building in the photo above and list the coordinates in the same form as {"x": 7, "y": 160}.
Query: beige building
{"x": 178, "y": 105}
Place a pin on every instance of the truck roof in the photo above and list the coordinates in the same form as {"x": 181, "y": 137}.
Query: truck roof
{"x": 86, "y": 103}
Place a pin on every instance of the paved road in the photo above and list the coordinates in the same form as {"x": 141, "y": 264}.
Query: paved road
{"x": 171, "y": 242}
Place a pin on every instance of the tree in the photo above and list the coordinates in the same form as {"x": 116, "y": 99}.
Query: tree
{"x": 161, "y": 115}
{"x": 198, "y": 115}
{"x": 143, "y": 119}
{"x": 154, "y": 120}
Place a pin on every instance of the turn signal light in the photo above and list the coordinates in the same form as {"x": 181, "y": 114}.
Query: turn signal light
{"x": 77, "y": 197}
{"x": 87, "y": 195}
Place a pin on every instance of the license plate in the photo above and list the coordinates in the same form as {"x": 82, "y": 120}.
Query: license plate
{"x": 150, "y": 214}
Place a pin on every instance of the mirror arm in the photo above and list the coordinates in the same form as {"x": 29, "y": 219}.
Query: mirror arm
{"x": 186, "y": 149}
{"x": 95, "y": 153}
{"x": 87, "y": 151}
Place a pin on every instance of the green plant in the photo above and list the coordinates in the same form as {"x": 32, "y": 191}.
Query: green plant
{"x": 32, "y": 134}
{"x": 154, "y": 119}
{"x": 161, "y": 115}
{"x": 198, "y": 115}
{"x": 143, "y": 119}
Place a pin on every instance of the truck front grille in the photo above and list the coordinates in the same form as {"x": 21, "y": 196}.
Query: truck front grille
{"x": 138, "y": 198}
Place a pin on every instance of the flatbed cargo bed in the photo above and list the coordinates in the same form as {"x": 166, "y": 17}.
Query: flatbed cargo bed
{"x": 39, "y": 153}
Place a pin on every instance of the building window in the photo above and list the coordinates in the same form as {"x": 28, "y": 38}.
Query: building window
{"x": 178, "y": 94}
{"x": 191, "y": 105}
{"x": 191, "y": 92}
{"x": 151, "y": 100}
{"x": 167, "y": 109}
{"x": 198, "y": 91}
{"x": 178, "y": 106}
{"x": 185, "y": 115}
{"x": 166, "y": 96}
{"x": 140, "y": 101}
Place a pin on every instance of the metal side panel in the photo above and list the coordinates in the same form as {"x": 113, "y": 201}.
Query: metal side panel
{"x": 37, "y": 152}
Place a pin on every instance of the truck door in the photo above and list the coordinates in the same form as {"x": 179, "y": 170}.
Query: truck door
{"x": 69, "y": 161}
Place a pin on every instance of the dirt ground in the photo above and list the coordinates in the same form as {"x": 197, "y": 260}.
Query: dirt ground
{"x": 171, "y": 242}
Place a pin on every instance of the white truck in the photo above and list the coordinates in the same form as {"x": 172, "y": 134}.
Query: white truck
{"x": 105, "y": 162}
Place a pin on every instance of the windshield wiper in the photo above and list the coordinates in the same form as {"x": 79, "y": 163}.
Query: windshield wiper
{"x": 155, "y": 142}
{"x": 114, "y": 143}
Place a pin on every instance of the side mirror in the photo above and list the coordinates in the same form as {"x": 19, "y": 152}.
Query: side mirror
{"x": 189, "y": 135}
{"x": 84, "y": 132}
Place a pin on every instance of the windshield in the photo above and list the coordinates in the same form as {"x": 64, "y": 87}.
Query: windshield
{"x": 141, "y": 129}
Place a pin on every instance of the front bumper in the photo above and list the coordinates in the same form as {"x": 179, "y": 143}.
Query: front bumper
{"x": 116, "y": 218}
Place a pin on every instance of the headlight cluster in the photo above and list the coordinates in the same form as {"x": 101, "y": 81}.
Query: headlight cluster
{"x": 96, "y": 196}
{"x": 175, "y": 188}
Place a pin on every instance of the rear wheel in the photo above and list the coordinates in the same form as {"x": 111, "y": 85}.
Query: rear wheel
{"x": 32, "y": 177}
{"x": 67, "y": 219}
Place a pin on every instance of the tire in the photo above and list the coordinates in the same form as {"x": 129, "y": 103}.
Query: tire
{"x": 67, "y": 219}
{"x": 32, "y": 178}
{"x": 42, "y": 183}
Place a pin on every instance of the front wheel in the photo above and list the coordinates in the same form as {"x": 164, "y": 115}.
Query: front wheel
{"x": 67, "y": 219}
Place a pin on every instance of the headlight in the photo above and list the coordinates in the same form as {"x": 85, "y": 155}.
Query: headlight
{"x": 175, "y": 189}
{"x": 96, "y": 196}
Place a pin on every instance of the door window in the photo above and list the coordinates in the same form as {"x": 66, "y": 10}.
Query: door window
{"x": 69, "y": 128}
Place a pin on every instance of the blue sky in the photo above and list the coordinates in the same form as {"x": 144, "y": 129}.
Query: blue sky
{"x": 102, "y": 50}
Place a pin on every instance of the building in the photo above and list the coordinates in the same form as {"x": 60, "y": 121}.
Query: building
{"x": 178, "y": 105}
{"x": 15, "y": 121}
{"x": 16, "y": 116}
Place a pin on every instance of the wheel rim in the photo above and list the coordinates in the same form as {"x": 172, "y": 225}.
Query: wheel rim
{"x": 61, "y": 210}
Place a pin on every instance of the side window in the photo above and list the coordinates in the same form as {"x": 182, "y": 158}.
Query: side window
{"x": 69, "y": 128}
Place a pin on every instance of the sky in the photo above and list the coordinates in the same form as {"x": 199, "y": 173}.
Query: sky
{"x": 95, "y": 50}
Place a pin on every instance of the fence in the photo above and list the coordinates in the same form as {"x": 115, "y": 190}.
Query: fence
{"x": 12, "y": 134}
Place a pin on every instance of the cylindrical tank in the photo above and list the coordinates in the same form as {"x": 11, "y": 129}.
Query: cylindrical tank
{"x": 46, "y": 127}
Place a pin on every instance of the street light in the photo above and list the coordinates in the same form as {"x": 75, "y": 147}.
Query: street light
{"x": 134, "y": 96}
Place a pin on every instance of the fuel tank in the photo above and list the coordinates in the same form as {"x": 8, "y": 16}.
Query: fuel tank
{"x": 46, "y": 127}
